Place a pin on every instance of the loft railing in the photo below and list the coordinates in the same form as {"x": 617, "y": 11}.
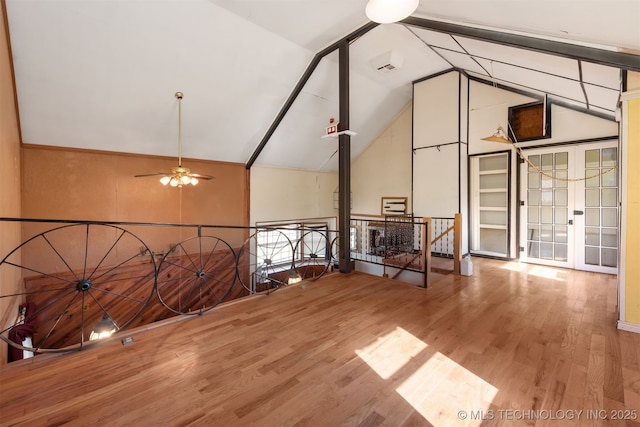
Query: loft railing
{"x": 67, "y": 276}
{"x": 447, "y": 243}
{"x": 396, "y": 243}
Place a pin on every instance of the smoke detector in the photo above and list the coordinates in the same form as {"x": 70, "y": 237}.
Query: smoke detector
{"x": 387, "y": 62}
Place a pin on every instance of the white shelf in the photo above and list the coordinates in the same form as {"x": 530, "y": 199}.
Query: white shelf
{"x": 493, "y": 208}
{"x": 494, "y": 172}
{"x": 337, "y": 134}
{"x": 493, "y": 190}
{"x": 493, "y": 226}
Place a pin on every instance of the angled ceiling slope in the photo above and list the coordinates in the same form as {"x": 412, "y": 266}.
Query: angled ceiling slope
{"x": 101, "y": 75}
{"x": 585, "y": 77}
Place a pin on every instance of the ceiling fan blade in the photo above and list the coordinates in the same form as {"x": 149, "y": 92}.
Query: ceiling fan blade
{"x": 199, "y": 176}
{"x": 152, "y": 174}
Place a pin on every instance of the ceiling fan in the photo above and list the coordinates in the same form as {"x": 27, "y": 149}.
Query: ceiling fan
{"x": 179, "y": 175}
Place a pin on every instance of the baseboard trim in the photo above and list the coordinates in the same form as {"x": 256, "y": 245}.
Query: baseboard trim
{"x": 630, "y": 327}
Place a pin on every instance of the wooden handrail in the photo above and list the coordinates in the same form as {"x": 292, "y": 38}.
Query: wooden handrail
{"x": 443, "y": 234}
{"x": 457, "y": 243}
{"x": 426, "y": 248}
{"x": 407, "y": 264}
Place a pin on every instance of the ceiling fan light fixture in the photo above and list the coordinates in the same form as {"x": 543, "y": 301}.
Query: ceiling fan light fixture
{"x": 179, "y": 175}
{"x": 389, "y": 11}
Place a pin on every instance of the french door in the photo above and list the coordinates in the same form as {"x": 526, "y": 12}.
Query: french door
{"x": 567, "y": 220}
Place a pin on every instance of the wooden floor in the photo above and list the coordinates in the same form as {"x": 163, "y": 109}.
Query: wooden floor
{"x": 514, "y": 344}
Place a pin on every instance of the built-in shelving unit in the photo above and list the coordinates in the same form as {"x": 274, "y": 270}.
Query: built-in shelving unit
{"x": 490, "y": 204}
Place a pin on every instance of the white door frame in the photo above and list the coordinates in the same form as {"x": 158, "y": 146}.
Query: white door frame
{"x": 575, "y": 203}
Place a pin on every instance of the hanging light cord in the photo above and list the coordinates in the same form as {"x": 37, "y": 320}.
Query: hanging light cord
{"x": 179, "y": 96}
{"x": 537, "y": 169}
{"x": 548, "y": 175}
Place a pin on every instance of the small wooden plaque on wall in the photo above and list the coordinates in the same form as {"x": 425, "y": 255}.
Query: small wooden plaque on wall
{"x": 394, "y": 206}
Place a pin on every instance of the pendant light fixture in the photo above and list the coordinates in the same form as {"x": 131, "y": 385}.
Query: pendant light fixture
{"x": 388, "y": 11}
{"x": 500, "y": 136}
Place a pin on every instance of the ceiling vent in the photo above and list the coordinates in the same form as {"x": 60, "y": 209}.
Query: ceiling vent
{"x": 387, "y": 62}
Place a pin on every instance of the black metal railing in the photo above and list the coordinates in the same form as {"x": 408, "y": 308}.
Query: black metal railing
{"x": 67, "y": 276}
{"x": 392, "y": 238}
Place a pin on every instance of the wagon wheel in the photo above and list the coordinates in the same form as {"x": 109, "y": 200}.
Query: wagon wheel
{"x": 265, "y": 261}
{"x": 196, "y": 275}
{"x": 72, "y": 277}
{"x": 313, "y": 255}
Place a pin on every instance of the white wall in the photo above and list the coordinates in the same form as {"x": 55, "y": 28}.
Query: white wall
{"x": 488, "y": 109}
{"x": 464, "y": 162}
{"x": 283, "y": 194}
{"x": 436, "y": 133}
{"x": 383, "y": 169}
{"x": 435, "y": 103}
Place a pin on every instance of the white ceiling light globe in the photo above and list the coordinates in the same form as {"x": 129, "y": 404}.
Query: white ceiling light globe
{"x": 388, "y": 11}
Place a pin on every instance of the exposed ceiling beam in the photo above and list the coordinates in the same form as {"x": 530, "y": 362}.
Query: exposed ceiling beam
{"x": 599, "y": 56}
{"x": 303, "y": 80}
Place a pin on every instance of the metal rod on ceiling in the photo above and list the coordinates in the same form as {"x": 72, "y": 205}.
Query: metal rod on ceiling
{"x": 569, "y": 50}
{"x": 179, "y": 95}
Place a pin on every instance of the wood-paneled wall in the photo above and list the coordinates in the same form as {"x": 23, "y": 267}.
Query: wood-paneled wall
{"x": 127, "y": 293}
{"x": 10, "y": 170}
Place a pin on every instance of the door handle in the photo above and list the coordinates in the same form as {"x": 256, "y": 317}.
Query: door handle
{"x": 570, "y": 222}
{"x": 578, "y": 212}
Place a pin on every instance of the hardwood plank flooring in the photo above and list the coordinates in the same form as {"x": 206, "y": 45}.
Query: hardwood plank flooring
{"x": 513, "y": 345}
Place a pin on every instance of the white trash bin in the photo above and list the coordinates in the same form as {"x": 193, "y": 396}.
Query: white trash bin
{"x": 466, "y": 266}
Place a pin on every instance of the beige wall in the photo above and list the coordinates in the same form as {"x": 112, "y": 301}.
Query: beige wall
{"x": 9, "y": 184}
{"x": 383, "y": 169}
{"x": 436, "y": 121}
{"x": 71, "y": 184}
{"x": 285, "y": 194}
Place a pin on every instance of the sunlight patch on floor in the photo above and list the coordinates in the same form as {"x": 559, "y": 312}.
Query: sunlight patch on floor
{"x": 441, "y": 390}
{"x": 445, "y": 393}
{"x": 537, "y": 270}
{"x": 514, "y": 266}
{"x": 548, "y": 273}
{"x": 391, "y": 352}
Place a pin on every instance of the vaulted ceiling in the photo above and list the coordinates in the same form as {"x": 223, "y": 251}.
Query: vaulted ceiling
{"x": 102, "y": 74}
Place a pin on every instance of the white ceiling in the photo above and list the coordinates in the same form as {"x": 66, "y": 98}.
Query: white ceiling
{"x": 102, "y": 74}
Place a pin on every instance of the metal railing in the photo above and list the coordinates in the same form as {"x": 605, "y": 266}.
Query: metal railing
{"x": 396, "y": 242}
{"x": 67, "y": 276}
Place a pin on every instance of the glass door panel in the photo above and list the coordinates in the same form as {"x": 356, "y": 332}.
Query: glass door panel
{"x": 547, "y": 209}
{"x": 571, "y": 207}
{"x": 597, "y": 239}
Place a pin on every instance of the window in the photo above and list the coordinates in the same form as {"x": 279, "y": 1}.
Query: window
{"x": 278, "y": 242}
{"x": 353, "y": 238}
{"x": 274, "y": 247}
